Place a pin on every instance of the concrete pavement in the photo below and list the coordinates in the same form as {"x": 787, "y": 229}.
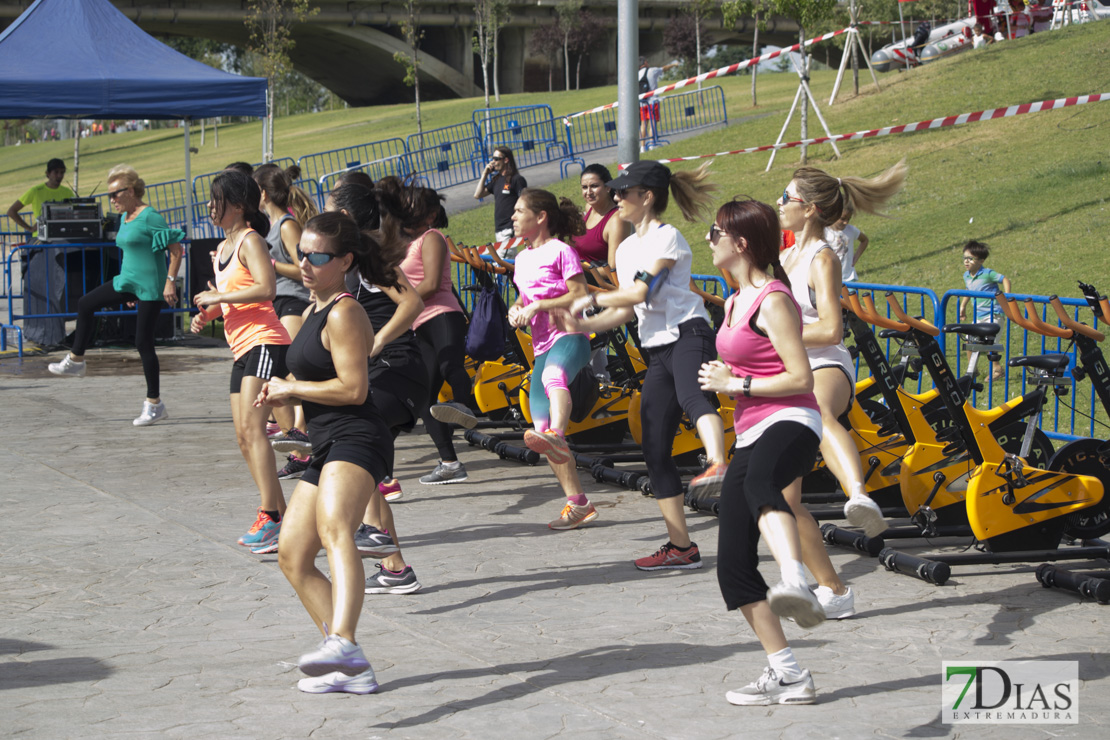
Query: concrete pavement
{"x": 128, "y": 610}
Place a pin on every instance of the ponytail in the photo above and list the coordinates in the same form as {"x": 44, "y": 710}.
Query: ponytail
{"x": 833, "y": 195}
{"x": 692, "y": 191}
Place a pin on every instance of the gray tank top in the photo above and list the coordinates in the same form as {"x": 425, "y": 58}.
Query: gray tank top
{"x": 285, "y": 286}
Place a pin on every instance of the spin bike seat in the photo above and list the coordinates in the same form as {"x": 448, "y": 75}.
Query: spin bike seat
{"x": 1048, "y": 363}
{"x": 979, "y": 331}
{"x": 894, "y": 334}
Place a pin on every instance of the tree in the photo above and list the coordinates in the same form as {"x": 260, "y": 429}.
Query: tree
{"x": 568, "y": 13}
{"x": 680, "y": 40}
{"x": 732, "y": 11}
{"x": 270, "y": 23}
{"x": 587, "y": 33}
{"x": 413, "y": 35}
{"x": 489, "y": 17}
{"x": 699, "y": 10}
{"x": 547, "y": 40}
{"x": 807, "y": 14}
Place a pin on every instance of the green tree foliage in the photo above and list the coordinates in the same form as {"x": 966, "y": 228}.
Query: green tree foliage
{"x": 270, "y": 24}
{"x": 413, "y": 35}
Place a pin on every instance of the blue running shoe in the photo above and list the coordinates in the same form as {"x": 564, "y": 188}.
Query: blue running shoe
{"x": 263, "y": 530}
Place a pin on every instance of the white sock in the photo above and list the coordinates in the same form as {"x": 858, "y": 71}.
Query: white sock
{"x": 857, "y": 490}
{"x": 793, "y": 573}
{"x": 451, "y": 465}
{"x": 784, "y": 663}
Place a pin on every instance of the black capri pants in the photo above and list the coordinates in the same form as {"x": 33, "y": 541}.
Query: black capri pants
{"x": 671, "y": 387}
{"x": 442, "y": 341}
{"x": 105, "y": 296}
{"x": 755, "y": 479}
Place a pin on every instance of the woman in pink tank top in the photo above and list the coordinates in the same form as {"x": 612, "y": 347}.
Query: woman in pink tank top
{"x": 778, "y": 426}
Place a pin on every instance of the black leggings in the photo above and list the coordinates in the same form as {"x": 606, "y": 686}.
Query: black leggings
{"x": 755, "y": 479}
{"x": 671, "y": 387}
{"x": 104, "y": 296}
{"x": 442, "y": 342}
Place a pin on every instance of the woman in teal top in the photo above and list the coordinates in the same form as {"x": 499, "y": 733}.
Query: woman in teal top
{"x": 143, "y": 280}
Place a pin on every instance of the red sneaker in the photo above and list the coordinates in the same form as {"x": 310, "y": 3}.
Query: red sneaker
{"x": 708, "y": 484}
{"x": 669, "y": 557}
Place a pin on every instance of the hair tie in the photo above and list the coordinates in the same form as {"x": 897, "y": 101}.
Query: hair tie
{"x": 839, "y": 184}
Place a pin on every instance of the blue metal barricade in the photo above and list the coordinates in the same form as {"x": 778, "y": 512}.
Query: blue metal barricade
{"x": 377, "y": 159}
{"x": 529, "y": 131}
{"x": 89, "y": 277}
{"x": 1061, "y": 419}
{"x": 692, "y": 110}
{"x": 446, "y": 156}
{"x": 11, "y": 235}
{"x": 920, "y": 302}
{"x": 593, "y": 131}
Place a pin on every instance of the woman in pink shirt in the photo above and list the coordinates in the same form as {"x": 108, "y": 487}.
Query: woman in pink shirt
{"x": 764, "y": 366}
{"x": 549, "y": 276}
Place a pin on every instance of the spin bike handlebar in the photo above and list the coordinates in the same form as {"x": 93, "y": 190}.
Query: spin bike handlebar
{"x": 1074, "y": 325}
{"x": 1029, "y": 321}
{"x": 897, "y": 310}
{"x": 864, "y": 307}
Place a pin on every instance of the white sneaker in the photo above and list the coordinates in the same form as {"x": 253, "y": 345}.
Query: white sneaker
{"x": 797, "y": 603}
{"x": 363, "y": 683}
{"x": 152, "y": 412}
{"x": 335, "y": 653}
{"x": 836, "y": 606}
{"x": 862, "y": 512}
{"x": 770, "y": 688}
{"x": 67, "y": 367}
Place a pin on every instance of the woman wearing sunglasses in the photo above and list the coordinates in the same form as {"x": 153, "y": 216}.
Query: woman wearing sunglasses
{"x": 548, "y": 276}
{"x": 144, "y": 238}
{"x": 245, "y": 286}
{"x": 503, "y": 181}
{"x": 763, "y": 366}
{"x": 811, "y": 201}
{"x": 653, "y": 268}
{"x": 350, "y": 446}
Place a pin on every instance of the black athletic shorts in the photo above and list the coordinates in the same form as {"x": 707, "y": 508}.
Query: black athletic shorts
{"x": 289, "y": 305}
{"x": 264, "y": 361}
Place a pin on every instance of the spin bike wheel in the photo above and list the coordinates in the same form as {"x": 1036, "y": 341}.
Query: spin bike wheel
{"x": 1082, "y": 457}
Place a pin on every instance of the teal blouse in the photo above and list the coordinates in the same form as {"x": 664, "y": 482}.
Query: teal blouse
{"x": 144, "y": 241}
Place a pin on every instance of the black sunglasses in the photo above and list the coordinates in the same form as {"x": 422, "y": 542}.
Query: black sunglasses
{"x": 115, "y": 193}
{"x": 622, "y": 193}
{"x": 497, "y": 159}
{"x": 316, "y": 259}
{"x": 715, "y": 232}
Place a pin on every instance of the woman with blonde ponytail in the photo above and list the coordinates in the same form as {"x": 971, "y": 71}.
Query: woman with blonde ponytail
{"x": 811, "y": 201}
{"x": 653, "y": 268}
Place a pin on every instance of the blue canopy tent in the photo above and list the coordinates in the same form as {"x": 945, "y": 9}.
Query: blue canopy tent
{"x": 85, "y": 59}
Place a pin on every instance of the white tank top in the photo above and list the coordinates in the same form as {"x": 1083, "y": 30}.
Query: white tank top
{"x": 833, "y": 354}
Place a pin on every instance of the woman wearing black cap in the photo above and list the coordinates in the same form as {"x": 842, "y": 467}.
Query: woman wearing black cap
{"x": 653, "y": 267}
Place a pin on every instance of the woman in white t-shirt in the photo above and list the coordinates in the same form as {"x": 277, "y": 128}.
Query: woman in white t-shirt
{"x": 843, "y": 237}
{"x": 653, "y": 268}
{"x": 812, "y": 201}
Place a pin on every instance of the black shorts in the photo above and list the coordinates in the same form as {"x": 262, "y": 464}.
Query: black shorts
{"x": 289, "y": 305}
{"x": 367, "y": 452}
{"x": 264, "y": 361}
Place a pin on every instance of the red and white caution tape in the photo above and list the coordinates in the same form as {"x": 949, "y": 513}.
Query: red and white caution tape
{"x": 983, "y": 115}
{"x": 715, "y": 73}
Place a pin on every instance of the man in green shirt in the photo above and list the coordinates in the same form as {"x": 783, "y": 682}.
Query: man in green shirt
{"x": 44, "y": 278}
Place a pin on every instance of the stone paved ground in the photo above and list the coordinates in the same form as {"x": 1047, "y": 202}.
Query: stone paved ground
{"x": 127, "y": 609}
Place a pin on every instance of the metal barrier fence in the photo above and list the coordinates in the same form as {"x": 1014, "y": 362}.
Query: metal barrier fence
{"x": 692, "y": 110}
{"x": 446, "y": 156}
{"x": 106, "y": 268}
{"x": 378, "y": 159}
{"x": 528, "y": 131}
{"x": 11, "y": 234}
{"x": 1060, "y": 419}
{"x": 592, "y": 132}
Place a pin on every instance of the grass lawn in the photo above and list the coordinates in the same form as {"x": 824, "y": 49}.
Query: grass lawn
{"x": 1031, "y": 186}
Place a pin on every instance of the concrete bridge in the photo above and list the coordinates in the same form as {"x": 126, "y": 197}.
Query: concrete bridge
{"x": 348, "y": 46}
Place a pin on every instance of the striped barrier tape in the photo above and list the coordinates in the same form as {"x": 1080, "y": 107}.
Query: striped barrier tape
{"x": 1006, "y": 112}
{"x": 710, "y": 75}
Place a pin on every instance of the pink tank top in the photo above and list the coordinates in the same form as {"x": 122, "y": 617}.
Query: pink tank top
{"x": 443, "y": 300}
{"x": 592, "y": 246}
{"x": 748, "y": 352}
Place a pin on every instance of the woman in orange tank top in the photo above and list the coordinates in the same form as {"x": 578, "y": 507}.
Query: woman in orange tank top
{"x": 245, "y": 286}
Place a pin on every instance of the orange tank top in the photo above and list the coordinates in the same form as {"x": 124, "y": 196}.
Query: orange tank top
{"x": 246, "y": 325}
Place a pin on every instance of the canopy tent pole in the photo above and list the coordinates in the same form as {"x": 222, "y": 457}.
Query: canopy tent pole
{"x": 188, "y": 184}
{"x": 76, "y": 156}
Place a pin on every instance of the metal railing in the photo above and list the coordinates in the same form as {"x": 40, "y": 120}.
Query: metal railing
{"x": 377, "y": 158}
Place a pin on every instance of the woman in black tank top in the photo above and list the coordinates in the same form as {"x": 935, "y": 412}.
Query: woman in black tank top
{"x": 350, "y": 447}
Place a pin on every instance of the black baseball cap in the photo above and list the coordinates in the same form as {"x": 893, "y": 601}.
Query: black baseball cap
{"x": 646, "y": 173}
